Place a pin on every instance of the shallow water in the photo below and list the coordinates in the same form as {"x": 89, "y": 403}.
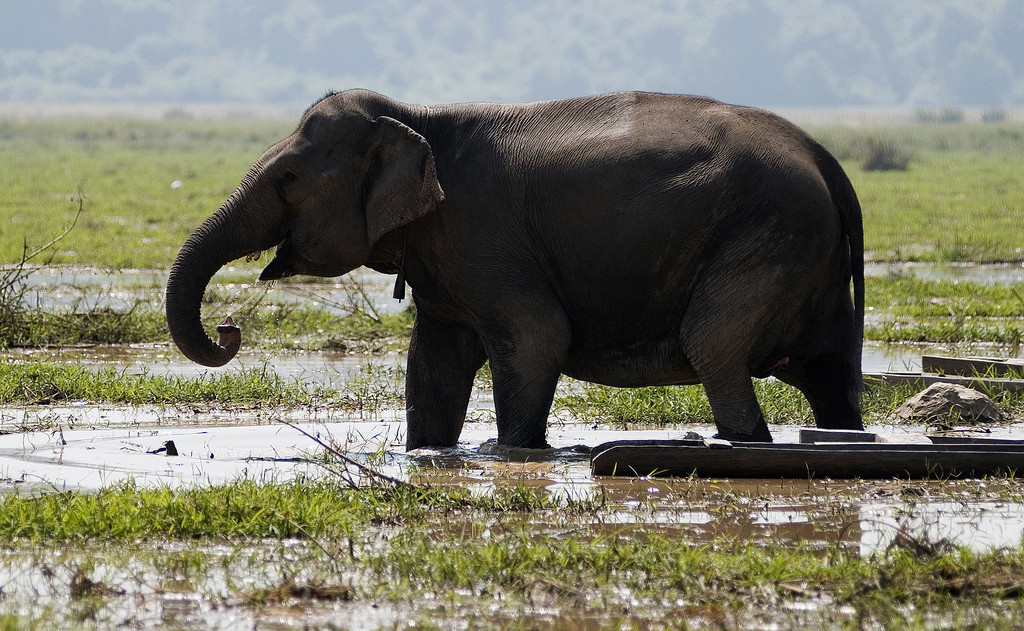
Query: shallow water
{"x": 85, "y": 447}
{"x": 982, "y": 273}
{"x": 68, "y": 287}
{"x": 83, "y": 288}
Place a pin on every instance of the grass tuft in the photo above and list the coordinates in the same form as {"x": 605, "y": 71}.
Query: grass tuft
{"x": 884, "y": 155}
{"x": 45, "y": 383}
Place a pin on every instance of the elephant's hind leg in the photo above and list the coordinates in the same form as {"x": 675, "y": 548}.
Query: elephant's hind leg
{"x": 717, "y": 335}
{"x": 737, "y": 413}
{"x": 443, "y": 360}
{"x": 832, "y": 383}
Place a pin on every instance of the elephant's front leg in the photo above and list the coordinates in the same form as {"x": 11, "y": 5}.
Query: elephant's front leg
{"x": 443, "y": 360}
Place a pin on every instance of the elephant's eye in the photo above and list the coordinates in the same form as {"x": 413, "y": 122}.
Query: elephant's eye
{"x": 285, "y": 180}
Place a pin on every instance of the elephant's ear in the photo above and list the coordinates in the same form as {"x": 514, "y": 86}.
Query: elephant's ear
{"x": 402, "y": 182}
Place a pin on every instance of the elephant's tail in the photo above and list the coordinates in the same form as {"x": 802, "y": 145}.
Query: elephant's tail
{"x": 844, "y": 198}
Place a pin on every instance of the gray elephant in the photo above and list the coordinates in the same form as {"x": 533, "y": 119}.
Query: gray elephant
{"x": 629, "y": 239}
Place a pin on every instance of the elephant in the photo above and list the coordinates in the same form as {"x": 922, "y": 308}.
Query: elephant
{"x": 628, "y": 239}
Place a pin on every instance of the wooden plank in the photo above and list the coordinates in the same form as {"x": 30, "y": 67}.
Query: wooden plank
{"x": 975, "y": 440}
{"x": 973, "y": 366}
{"x": 837, "y": 461}
{"x": 816, "y": 435}
{"x": 924, "y": 380}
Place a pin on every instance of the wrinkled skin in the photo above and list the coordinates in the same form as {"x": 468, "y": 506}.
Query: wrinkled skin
{"x": 628, "y": 239}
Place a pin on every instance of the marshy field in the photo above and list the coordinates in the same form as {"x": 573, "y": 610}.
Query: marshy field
{"x": 138, "y": 490}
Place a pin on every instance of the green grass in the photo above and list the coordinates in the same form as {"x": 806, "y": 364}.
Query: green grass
{"x": 41, "y": 382}
{"x": 945, "y": 207}
{"x": 247, "y": 509}
{"x": 909, "y": 309}
{"x": 961, "y": 198}
{"x": 284, "y": 326}
{"x": 633, "y": 408}
{"x": 912, "y": 297}
{"x": 670, "y": 405}
{"x": 373, "y": 388}
{"x": 309, "y": 328}
{"x": 125, "y": 168}
{"x": 36, "y": 327}
{"x": 451, "y": 555}
{"x": 949, "y": 331}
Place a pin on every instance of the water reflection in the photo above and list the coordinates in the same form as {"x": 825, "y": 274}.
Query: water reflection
{"x": 866, "y": 516}
{"x": 982, "y": 273}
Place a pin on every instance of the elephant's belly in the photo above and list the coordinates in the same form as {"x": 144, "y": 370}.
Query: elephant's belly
{"x": 632, "y": 369}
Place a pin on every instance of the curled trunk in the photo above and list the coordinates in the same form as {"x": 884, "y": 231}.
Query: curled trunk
{"x": 222, "y": 238}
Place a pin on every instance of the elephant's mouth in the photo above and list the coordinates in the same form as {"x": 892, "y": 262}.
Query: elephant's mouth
{"x": 278, "y": 268}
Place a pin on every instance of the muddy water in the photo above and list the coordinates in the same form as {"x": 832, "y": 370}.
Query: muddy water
{"x": 87, "y": 447}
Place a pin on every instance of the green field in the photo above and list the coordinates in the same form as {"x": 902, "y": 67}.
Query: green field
{"x": 133, "y": 218}
{"x": 961, "y": 198}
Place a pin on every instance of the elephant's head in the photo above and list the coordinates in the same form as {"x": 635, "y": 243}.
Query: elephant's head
{"x": 324, "y": 196}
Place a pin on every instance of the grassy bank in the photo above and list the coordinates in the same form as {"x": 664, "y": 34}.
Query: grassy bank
{"x": 374, "y": 387}
{"x": 379, "y": 386}
{"x": 440, "y": 556}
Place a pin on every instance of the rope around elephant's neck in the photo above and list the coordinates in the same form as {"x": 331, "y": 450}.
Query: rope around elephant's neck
{"x": 399, "y": 293}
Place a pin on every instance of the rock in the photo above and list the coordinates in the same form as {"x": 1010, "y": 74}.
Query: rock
{"x": 940, "y": 400}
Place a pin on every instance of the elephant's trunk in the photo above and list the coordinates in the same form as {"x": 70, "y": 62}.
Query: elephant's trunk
{"x": 223, "y": 237}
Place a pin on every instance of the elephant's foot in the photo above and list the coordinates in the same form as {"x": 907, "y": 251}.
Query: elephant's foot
{"x": 760, "y": 435}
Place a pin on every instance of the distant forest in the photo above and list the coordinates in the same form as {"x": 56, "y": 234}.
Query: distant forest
{"x": 774, "y": 53}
